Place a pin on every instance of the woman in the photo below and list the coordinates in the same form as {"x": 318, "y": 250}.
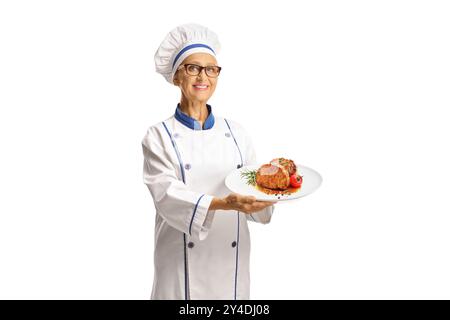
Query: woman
{"x": 202, "y": 242}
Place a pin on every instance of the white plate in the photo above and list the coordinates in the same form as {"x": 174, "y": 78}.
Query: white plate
{"x": 311, "y": 181}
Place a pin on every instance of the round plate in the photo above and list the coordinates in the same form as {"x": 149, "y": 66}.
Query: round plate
{"x": 311, "y": 181}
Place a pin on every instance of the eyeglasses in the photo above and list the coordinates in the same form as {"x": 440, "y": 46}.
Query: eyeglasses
{"x": 194, "y": 70}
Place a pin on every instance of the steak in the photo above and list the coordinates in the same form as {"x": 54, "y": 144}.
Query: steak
{"x": 289, "y": 165}
{"x": 273, "y": 177}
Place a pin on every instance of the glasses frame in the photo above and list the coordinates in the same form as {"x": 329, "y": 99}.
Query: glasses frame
{"x": 201, "y": 69}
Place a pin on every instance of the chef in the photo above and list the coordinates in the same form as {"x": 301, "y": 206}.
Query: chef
{"x": 202, "y": 240}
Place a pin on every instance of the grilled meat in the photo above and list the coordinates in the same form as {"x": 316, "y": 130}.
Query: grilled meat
{"x": 289, "y": 165}
{"x": 273, "y": 176}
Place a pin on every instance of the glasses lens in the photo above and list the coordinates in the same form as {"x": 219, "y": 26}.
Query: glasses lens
{"x": 192, "y": 69}
{"x": 212, "y": 71}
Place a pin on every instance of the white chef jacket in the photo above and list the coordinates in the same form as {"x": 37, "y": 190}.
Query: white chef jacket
{"x": 199, "y": 253}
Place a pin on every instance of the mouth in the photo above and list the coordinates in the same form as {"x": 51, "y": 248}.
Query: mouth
{"x": 201, "y": 87}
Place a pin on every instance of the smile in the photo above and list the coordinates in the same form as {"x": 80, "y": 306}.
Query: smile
{"x": 200, "y": 87}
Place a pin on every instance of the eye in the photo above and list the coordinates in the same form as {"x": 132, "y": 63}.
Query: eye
{"x": 193, "y": 68}
{"x": 212, "y": 70}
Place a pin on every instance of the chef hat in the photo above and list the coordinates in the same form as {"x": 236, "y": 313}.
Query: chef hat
{"x": 181, "y": 42}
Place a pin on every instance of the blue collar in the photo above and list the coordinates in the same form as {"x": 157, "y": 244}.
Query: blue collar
{"x": 191, "y": 122}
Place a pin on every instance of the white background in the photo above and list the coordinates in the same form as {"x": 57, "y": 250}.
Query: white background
{"x": 358, "y": 90}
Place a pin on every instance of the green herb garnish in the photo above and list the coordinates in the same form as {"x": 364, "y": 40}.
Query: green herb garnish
{"x": 250, "y": 176}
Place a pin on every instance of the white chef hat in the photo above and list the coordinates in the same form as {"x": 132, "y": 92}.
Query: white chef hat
{"x": 181, "y": 42}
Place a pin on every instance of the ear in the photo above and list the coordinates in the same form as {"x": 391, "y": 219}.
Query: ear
{"x": 176, "y": 81}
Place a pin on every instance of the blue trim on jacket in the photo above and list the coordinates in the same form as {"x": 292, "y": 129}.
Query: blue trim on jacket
{"x": 185, "y": 270}
{"x": 193, "y": 214}
{"x": 240, "y": 154}
{"x": 184, "y": 234}
{"x": 176, "y": 151}
{"x": 237, "y": 259}
{"x": 193, "y": 123}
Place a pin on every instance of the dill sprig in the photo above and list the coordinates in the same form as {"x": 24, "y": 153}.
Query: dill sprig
{"x": 249, "y": 176}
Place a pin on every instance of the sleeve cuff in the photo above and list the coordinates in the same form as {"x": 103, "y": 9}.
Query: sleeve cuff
{"x": 202, "y": 217}
{"x": 264, "y": 216}
{"x": 206, "y": 225}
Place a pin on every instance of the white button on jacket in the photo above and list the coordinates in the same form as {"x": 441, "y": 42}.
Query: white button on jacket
{"x": 199, "y": 254}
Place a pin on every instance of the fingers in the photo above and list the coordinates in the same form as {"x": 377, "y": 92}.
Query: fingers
{"x": 242, "y": 199}
{"x": 247, "y": 203}
{"x": 248, "y": 199}
{"x": 259, "y": 205}
{"x": 256, "y": 206}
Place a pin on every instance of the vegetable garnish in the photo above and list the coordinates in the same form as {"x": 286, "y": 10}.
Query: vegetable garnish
{"x": 250, "y": 176}
{"x": 296, "y": 180}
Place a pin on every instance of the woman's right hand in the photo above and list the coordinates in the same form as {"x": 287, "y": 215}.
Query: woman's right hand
{"x": 246, "y": 204}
